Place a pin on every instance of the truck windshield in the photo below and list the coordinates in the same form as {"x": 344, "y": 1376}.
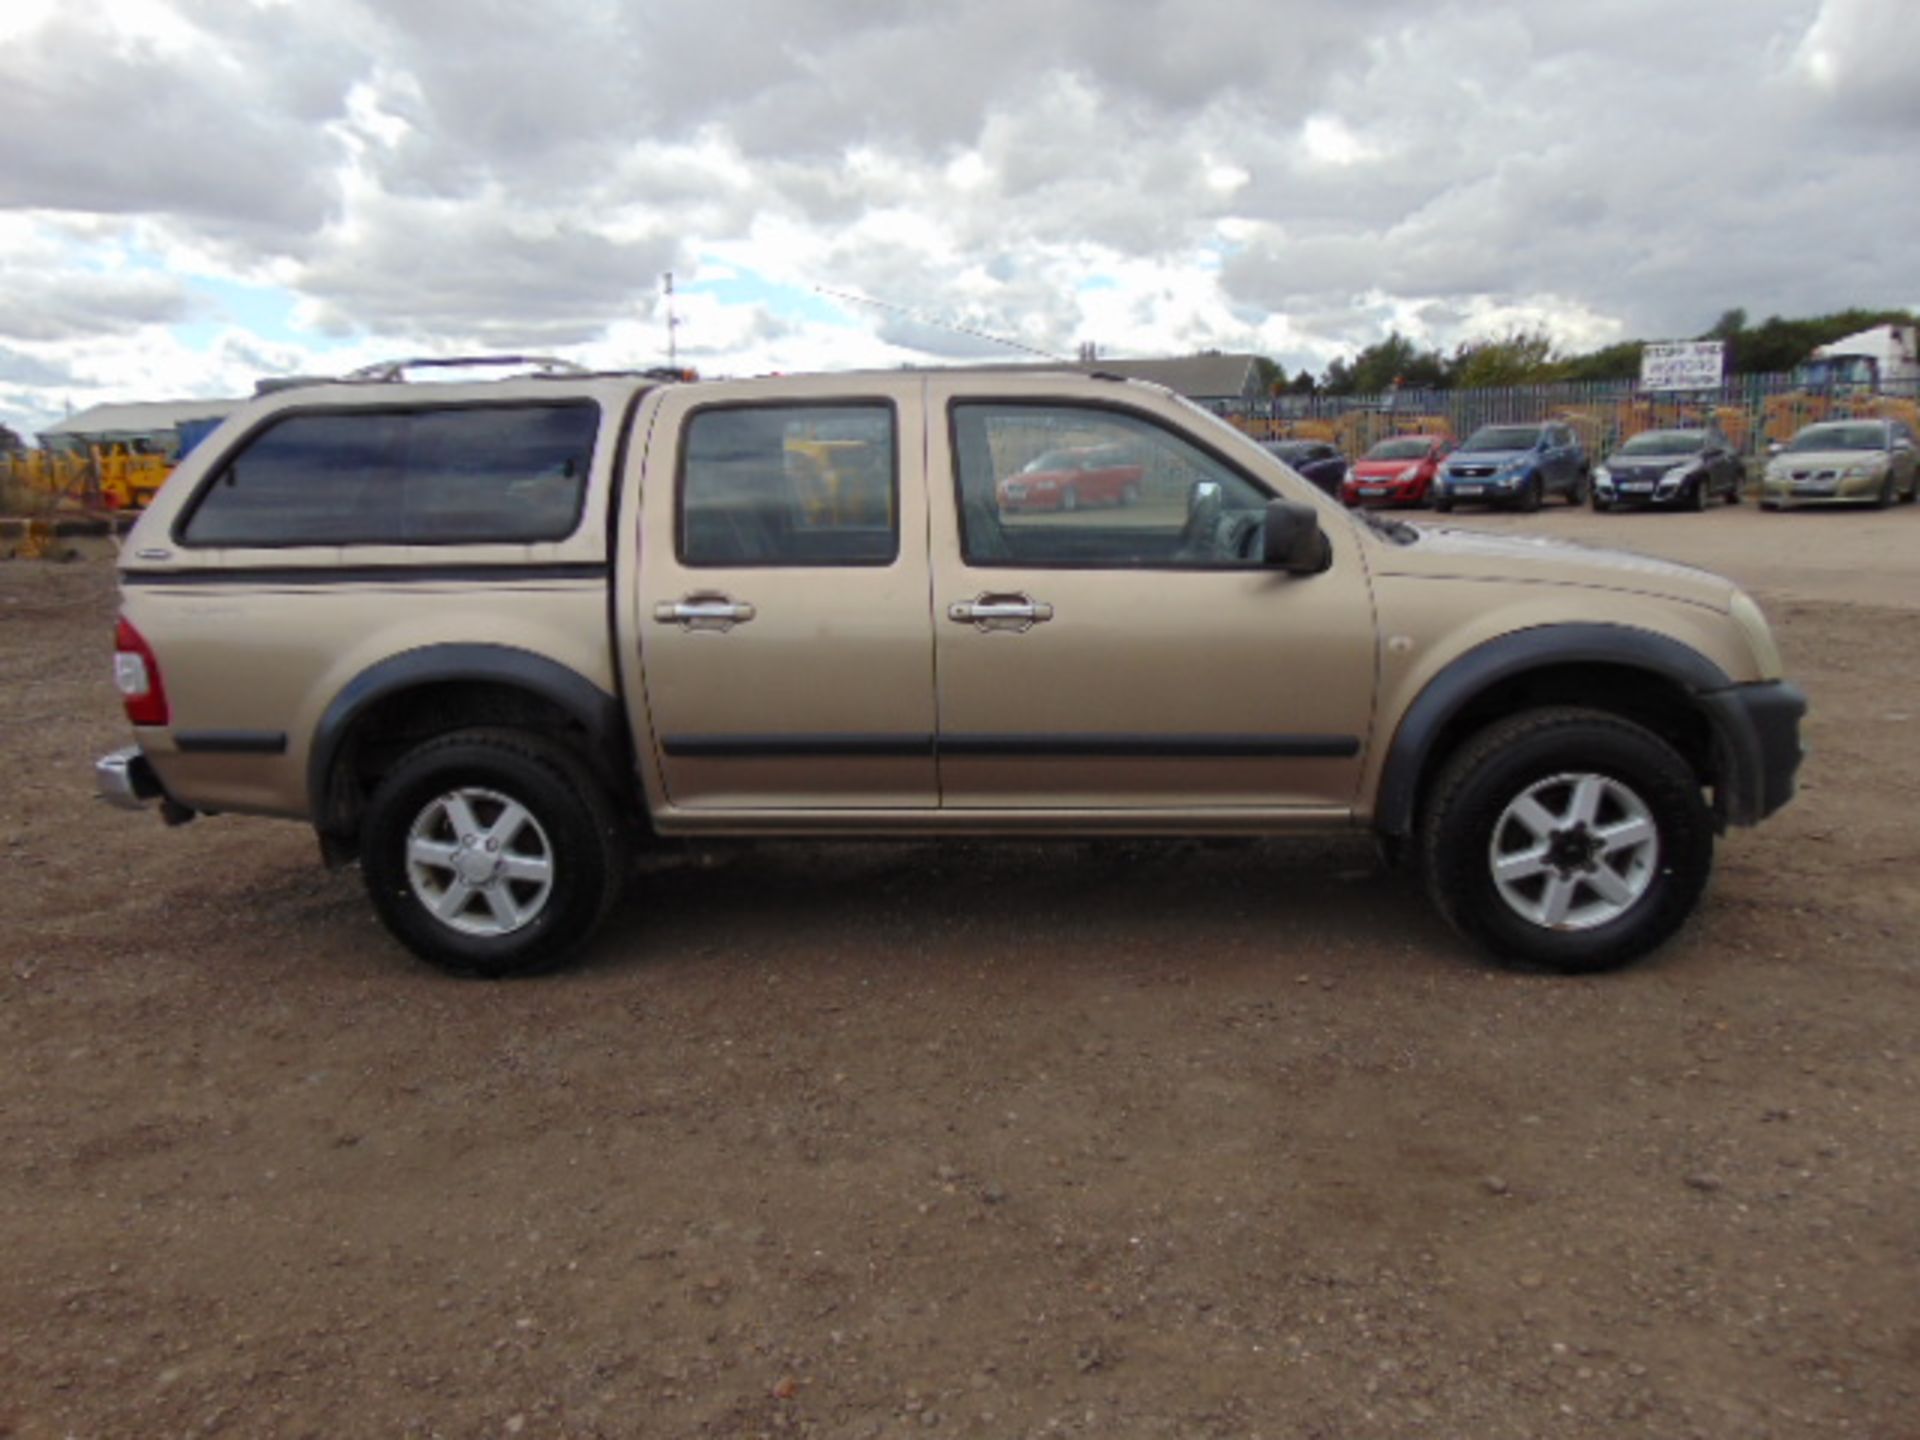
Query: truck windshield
{"x": 1837, "y": 370}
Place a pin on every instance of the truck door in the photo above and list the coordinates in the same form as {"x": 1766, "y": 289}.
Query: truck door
{"x": 781, "y": 614}
{"x": 1138, "y": 655}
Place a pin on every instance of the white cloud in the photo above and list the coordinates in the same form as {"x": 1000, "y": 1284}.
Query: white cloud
{"x": 1155, "y": 178}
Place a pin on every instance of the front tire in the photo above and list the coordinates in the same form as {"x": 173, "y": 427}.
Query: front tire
{"x": 1567, "y": 838}
{"x": 491, "y": 853}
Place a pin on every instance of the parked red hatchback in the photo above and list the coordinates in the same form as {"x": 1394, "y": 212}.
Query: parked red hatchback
{"x": 1068, "y": 479}
{"x": 1397, "y": 471}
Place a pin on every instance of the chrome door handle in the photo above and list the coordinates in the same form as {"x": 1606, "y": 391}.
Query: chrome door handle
{"x": 704, "y": 611}
{"x": 986, "y": 612}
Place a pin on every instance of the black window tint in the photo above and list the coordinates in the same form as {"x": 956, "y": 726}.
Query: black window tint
{"x": 504, "y": 473}
{"x": 497, "y": 473}
{"x": 789, "y": 485}
{"x": 310, "y": 479}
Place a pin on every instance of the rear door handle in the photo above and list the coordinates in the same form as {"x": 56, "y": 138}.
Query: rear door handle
{"x": 987, "y": 611}
{"x": 704, "y": 610}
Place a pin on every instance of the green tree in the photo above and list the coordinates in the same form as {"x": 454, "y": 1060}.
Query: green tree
{"x": 1393, "y": 361}
{"x": 1615, "y": 362}
{"x": 1728, "y": 326}
{"x": 1522, "y": 357}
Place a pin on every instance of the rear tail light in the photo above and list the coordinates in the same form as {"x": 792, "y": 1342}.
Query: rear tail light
{"x": 136, "y": 675}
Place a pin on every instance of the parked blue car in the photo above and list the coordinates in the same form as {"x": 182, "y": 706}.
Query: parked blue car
{"x": 1517, "y": 466}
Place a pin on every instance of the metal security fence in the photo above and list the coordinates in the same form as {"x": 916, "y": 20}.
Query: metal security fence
{"x": 1753, "y": 411}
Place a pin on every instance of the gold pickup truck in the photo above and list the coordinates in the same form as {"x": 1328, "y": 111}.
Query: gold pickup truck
{"x": 487, "y": 637}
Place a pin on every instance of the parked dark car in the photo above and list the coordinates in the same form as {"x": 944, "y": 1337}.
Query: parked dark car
{"x": 1515, "y": 465}
{"x": 1397, "y": 471}
{"x": 1318, "y": 461}
{"x": 1670, "y": 470}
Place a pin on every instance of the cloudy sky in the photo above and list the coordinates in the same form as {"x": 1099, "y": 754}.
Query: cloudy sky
{"x": 195, "y": 193}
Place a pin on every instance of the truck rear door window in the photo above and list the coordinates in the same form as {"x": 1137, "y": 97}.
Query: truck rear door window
{"x": 462, "y": 476}
{"x": 787, "y": 485}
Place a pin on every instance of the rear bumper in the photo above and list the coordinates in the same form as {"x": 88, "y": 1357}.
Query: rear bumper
{"x": 1757, "y": 747}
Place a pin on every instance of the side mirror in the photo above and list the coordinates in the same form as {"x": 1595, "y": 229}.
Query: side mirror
{"x": 1774, "y": 447}
{"x": 1291, "y": 539}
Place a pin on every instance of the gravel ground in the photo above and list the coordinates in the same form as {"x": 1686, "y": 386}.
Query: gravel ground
{"x": 1116, "y": 1140}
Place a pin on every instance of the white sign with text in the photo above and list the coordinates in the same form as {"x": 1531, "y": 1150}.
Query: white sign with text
{"x": 1682, "y": 365}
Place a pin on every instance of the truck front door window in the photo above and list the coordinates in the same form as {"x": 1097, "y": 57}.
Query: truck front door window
{"x": 1055, "y": 485}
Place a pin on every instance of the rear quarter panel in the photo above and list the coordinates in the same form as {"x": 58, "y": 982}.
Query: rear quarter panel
{"x": 259, "y": 640}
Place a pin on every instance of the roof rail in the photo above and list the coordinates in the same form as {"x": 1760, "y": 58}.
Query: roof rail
{"x": 387, "y": 372}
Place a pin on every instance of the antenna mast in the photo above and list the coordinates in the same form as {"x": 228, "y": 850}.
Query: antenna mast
{"x": 673, "y": 324}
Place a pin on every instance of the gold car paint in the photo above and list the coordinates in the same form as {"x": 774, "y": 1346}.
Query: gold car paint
{"x": 831, "y": 652}
{"x": 271, "y": 655}
{"x": 1149, "y": 652}
{"x": 853, "y": 650}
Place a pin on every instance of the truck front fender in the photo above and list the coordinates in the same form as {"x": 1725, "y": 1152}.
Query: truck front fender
{"x": 1509, "y": 656}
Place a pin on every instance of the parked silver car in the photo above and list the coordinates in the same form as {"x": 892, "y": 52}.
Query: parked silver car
{"x": 1844, "y": 462}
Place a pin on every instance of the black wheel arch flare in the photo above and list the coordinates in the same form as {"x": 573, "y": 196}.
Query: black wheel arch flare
{"x": 1511, "y": 656}
{"x": 598, "y": 713}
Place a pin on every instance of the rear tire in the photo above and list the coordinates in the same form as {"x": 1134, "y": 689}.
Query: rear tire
{"x": 1567, "y": 838}
{"x": 492, "y": 853}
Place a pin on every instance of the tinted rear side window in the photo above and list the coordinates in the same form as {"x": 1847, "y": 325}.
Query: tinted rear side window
{"x": 486, "y": 474}
{"x": 789, "y": 485}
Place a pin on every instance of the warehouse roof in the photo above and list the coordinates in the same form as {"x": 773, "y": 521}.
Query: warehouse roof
{"x": 120, "y": 422}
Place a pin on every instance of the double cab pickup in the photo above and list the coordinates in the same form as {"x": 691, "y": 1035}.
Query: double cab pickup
{"x": 487, "y": 637}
